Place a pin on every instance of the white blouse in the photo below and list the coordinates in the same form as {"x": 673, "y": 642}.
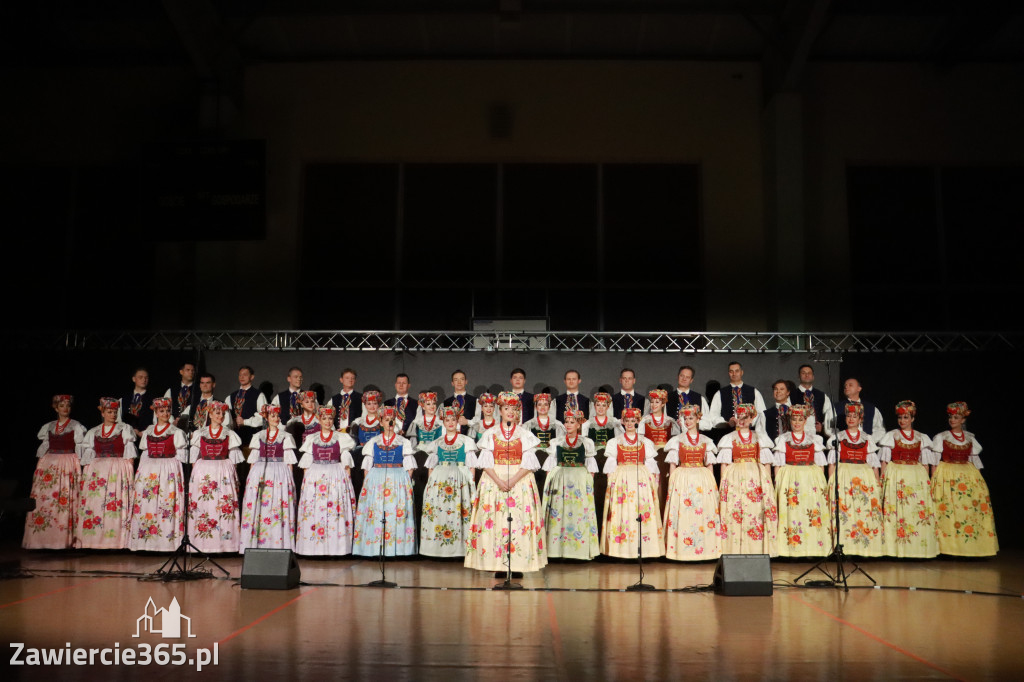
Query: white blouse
{"x": 408, "y": 456}
{"x": 889, "y": 440}
{"x": 51, "y": 427}
{"x": 485, "y": 458}
{"x": 936, "y": 446}
{"x": 872, "y": 449}
{"x": 467, "y": 442}
{"x": 88, "y": 451}
{"x": 611, "y": 462}
{"x": 780, "y": 447}
{"x": 345, "y": 445}
{"x": 180, "y": 444}
{"x": 234, "y": 444}
{"x": 673, "y": 445}
{"x": 287, "y": 443}
{"x": 726, "y": 444}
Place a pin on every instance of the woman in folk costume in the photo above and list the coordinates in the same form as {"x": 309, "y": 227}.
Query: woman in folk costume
{"x": 908, "y": 513}
{"x": 507, "y": 455}
{"x": 307, "y": 420}
{"x": 570, "y": 515}
{"x": 601, "y": 427}
{"x": 367, "y": 427}
{"x": 962, "y": 506}
{"x": 158, "y": 513}
{"x": 426, "y": 427}
{"x": 631, "y": 465}
{"x": 750, "y": 517}
{"x": 450, "y": 490}
{"x": 656, "y": 425}
{"x": 801, "y": 487}
{"x": 860, "y": 489}
{"x": 56, "y": 483}
{"x": 213, "y": 523}
{"x": 691, "y": 512}
{"x": 268, "y": 508}
{"x": 105, "y": 508}
{"x": 325, "y": 518}
{"x": 544, "y": 425}
{"x": 487, "y": 420}
{"x": 386, "y": 509}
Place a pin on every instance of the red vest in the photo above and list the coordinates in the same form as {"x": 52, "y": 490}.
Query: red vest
{"x": 658, "y": 435}
{"x": 109, "y": 447}
{"x": 630, "y": 454}
{"x": 955, "y": 454}
{"x": 906, "y": 454}
{"x": 850, "y": 453}
{"x": 508, "y": 452}
{"x": 746, "y": 452}
{"x": 63, "y": 444}
{"x": 799, "y": 455}
{"x": 160, "y": 447}
{"x": 213, "y": 449}
{"x": 692, "y": 455}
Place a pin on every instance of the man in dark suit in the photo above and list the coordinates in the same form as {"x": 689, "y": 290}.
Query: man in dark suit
{"x": 348, "y": 404}
{"x": 627, "y": 396}
{"x": 463, "y": 402}
{"x": 685, "y": 395}
{"x": 776, "y": 417}
{"x": 873, "y": 422}
{"x": 288, "y": 399}
{"x": 134, "y": 410}
{"x": 405, "y": 407}
{"x": 572, "y": 396}
{"x": 518, "y": 381}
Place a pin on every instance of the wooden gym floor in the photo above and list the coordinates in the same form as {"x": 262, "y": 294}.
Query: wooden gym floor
{"x": 963, "y": 620}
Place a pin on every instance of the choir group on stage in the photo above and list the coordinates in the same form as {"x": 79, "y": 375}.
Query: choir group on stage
{"x": 900, "y": 493}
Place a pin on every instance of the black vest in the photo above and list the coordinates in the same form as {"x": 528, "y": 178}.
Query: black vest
{"x": 355, "y": 408}
{"x": 142, "y": 415}
{"x": 619, "y": 402}
{"x": 190, "y": 398}
{"x": 674, "y": 401}
{"x": 248, "y": 399}
{"x": 772, "y": 423}
{"x": 468, "y": 409}
{"x": 817, "y": 402}
{"x": 725, "y": 395}
{"x": 284, "y": 399}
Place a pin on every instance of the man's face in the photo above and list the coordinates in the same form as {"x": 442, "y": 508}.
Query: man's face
{"x": 518, "y": 380}
{"x": 206, "y": 385}
{"x": 806, "y": 376}
{"x": 459, "y": 382}
{"x": 141, "y": 379}
{"x": 780, "y": 392}
{"x": 735, "y": 374}
{"x": 188, "y": 373}
{"x": 572, "y": 381}
{"x": 401, "y": 385}
{"x": 627, "y": 380}
{"x": 851, "y": 389}
{"x": 348, "y": 381}
{"x": 244, "y": 377}
{"x": 684, "y": 379}
{"x": 295, "y": 379}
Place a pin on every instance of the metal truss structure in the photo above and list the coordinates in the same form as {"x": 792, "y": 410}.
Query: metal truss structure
{"x": 504, "y": 341}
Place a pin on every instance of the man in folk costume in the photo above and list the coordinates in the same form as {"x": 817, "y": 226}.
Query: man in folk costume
{"x": 723, "y": 405}
{"x": 246, "y": 405}
{"x": 824, "y": 414}
{"x": 289, "y": 400}
{"x": 874, "y": 424}
{"x": 133, "y": 408}
{"x": 406, "y": 408}
{"x": 183, "y": 396}
{"x": 776, "y": 418}
{"x": 348, "y": 403}
{"x": 464, "y": 403}
{"x": 572, "y": 398}
{"x": 685, "y": 395}
{"x": 627, "y": 397}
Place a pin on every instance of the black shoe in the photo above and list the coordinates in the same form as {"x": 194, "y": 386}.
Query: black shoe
{"x": 516, "y": 575}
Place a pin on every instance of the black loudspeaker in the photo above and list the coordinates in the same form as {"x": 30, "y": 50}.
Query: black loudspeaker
{"x": 743, "y": 575}
{"x": 269, "y": 569}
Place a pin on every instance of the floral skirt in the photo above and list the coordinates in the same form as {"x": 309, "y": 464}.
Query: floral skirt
{"x": 804, "y": 530}
{"x": 860, "y": 510}
{"x": 447, "y": 511}
{"x": 963, "y": 511}
{"x": 213, "y": 524}
{"x": 326, "y": 511}
{"x": 908, "y": 513}
{"x": 268, "y": 516}
{"x": 489, "y": 529}
{"x": 691, "y": 515}
{"x": 570, "y": 515}
{"x": 105, "y": 505}
{"x": 158, "y": 517}
{"x": 385, "y": 491}
{"x": 631, "y": 492}
{"x": 750, "y": 517}
{"x": 55, "y": 488}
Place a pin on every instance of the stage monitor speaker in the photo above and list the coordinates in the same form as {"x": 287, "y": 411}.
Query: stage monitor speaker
{"x": 743, "y": 575}
{"x": 269, "y": 569}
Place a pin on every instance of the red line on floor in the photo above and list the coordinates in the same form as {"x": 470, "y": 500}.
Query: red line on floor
{"x": 45, "y": 594}
{"x": 878, "y": 639}
{"x": 556, "y": 637}
{"x": 266, "y": 615}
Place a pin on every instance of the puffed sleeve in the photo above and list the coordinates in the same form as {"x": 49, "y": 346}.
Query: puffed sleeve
{"x": 611, "y": 462}
{"x": 725, "y": 449}
{"x": 79, "y": 431}
{"x": 180, "y": 445}
{"x": 975, "y": 451}
{"x": 256, "y": 420}
{"x": 193, "y": 451}
{"x": 530, "y": 444}
{"x": 235, "y": 448}
{"x": 928, "y": 454}
{"x": 591, "y": 452}
{"x": 549, "y": 461}
{"x": 408, "y": 455}
{"x": 485, "y": 451}
{"x": 651, "y": 452}
{"x": 88, "y": 452}
{"x": 710, "y": 450}
{"x": 254, "y": 448}
{"x": 672, "y": 450}
{"x": 44, "y": 436}
{"x": 431, "y": 450}
{"x": 819, "y": 452}
{"x": 767, "y": 454}
{"x": 885, "y": 446}
{"x": 779, "y": 449}
{"x": 306, "y": 449}
{"x": 289, "y": 449}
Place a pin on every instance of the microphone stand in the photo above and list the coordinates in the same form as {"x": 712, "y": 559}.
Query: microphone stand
{"x": 507, "y": 584}
{"x": 640, "y": 585}
{"x": 176, "y": 567}
{"x": 383, "y": 582}
{"x": 840, "y": 576}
